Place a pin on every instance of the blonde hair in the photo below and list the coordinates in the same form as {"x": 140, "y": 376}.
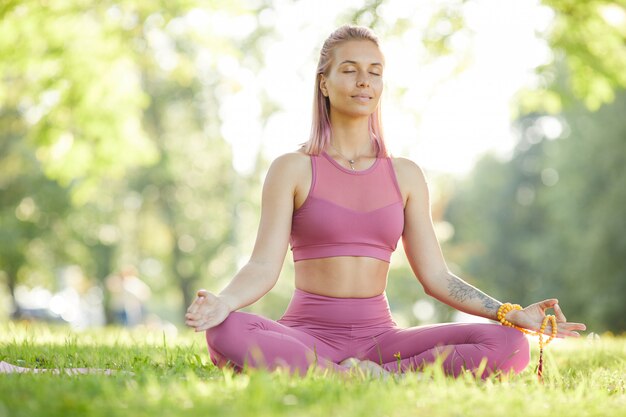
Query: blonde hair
{"x": 320, "y": 124}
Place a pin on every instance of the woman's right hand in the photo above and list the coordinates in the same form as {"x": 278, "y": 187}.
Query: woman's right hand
{"x": 206, "y": 311}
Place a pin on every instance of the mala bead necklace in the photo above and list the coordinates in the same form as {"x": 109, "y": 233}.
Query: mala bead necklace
{"x": 552, "y": 321}
{"x": 506, "y": 307}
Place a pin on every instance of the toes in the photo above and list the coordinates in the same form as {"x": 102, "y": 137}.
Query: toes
{"x": 350, "y": 362}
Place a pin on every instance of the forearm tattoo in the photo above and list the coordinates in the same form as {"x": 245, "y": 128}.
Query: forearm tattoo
{"x": 462, "y": 291}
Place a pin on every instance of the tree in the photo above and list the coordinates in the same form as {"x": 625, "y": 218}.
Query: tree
{"x": 588, "y": 42}
{"x": 79, "y": 137}
{"x": 549, "y": 222}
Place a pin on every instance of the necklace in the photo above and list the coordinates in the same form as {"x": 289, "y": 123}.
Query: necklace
{"x": 350, "y": 161}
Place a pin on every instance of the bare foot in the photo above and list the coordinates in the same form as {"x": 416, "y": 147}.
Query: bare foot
{"x": 350, "y": 362}
{"x": 373, "y": 369}
{"x": 367, "y": 368}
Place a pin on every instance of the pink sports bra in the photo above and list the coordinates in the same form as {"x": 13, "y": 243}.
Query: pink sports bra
{"x": 348, "y": 213}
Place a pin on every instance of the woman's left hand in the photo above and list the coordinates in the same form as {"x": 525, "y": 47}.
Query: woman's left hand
{"x": 532, "y": 316}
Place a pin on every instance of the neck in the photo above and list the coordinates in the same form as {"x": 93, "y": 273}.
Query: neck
{"x": 352, "y": 138}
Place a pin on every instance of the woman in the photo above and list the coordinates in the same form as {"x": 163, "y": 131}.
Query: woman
{"x": 343, "y": 203}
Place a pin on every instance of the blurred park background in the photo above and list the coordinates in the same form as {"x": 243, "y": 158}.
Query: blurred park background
{"x": 135, "y": 136}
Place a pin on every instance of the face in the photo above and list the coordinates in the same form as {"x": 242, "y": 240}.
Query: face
{"x": 354, "y": 81}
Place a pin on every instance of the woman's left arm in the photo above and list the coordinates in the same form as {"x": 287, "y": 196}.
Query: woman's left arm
{"x": 424, "y": 253}
{"x": 427, "y": 262}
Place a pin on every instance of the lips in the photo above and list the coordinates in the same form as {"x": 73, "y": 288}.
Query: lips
{"x": 362, "y": 97}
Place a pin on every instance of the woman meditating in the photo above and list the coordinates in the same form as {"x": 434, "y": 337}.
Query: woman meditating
{"x": 342, "y": 203}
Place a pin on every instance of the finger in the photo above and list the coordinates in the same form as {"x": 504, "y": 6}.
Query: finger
{"x": 205, "y": 323}
{"x": 193, "y": 306}
{"x": 195, "y": 316}
{"x": 572, "y": 326}
{"x": 197, "y": 303}
{"x": 549, "y": 303}
{"x": 576, "y": 326}
{"x": 561, "y": 334}
{"x": 195, "y": 323}
{"x": 192, "y": 317}
{"x": 569, "y": 329}
{"x": 206, "y": 326}
{"x": 560, "y": 317}
{"x": 198, "y": 315}
{"x": 201, "y": 327}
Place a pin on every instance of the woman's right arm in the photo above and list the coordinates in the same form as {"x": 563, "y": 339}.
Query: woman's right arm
{"x": 261, "y": 272}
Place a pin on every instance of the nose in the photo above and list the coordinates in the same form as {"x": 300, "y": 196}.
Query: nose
{"x": 363, "y": 82}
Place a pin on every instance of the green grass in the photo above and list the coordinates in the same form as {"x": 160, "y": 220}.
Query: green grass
{"x": 174, "y": 377}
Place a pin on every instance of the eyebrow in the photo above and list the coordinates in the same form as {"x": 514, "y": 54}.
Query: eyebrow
{"x": 354, "y": 62}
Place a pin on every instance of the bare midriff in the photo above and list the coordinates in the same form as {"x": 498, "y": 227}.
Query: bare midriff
{"x": 342, "y": 276}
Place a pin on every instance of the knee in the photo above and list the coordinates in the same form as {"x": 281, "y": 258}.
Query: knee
{"x": 515, "y": 350}
{"x": 227, "y": 331}
{"x": 519, "y": 343}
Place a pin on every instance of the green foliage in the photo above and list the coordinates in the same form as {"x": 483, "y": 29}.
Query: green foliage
{"x": 111, "y": 150}
{"x": 51, "y": 57}
{"x": 550, "y": 221}
{"x": 32, "y": 209}
{"x": 172, "y": 376}
{"x": 111, "y": 146}
{"x": 591, "y": 38}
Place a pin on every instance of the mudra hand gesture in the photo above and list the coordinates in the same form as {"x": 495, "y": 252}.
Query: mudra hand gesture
{"x": 206, "y": 311}
{"x": 532, "y": 316}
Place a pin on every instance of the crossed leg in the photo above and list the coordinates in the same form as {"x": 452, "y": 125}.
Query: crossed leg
{"x": 245, "y": 338}
{"x": 463, "y": 346}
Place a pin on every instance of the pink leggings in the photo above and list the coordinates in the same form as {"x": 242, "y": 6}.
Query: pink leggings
{"x": 323, "y": 331}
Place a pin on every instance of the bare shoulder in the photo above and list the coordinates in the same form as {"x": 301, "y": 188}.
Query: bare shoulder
{"x": 294, "y": 159}
{"x": 289, "y": 170}
{"x": 412, "y": 182}
{"x": 408, "y": 172}
{"x": 291, "y": 163}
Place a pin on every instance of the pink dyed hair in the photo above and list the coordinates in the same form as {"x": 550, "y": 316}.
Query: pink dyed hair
{"x": 320, "y": 125}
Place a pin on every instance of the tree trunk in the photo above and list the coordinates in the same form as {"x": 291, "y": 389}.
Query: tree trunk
{"x": 11, "y": 283}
